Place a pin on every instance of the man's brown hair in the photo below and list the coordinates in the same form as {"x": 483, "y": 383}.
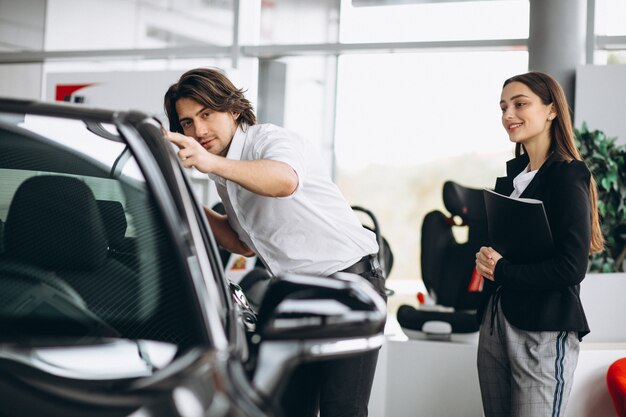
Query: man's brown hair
{"x": 211, "y": 88}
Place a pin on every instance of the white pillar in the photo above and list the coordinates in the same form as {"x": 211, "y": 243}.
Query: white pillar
{"x": 557, "y": 40}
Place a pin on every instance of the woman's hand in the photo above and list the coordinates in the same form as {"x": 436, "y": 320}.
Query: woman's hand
{"x": 486, "y": 259}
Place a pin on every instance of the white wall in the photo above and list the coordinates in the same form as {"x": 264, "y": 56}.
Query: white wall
{"x": 21, "y": 81}
{"x": 600, "y": 92}
{"x": 118, "y": 90}
{"x": 21, "y": 28}
{"x": 439, "y": 379}
{"x": 602, "y": 296}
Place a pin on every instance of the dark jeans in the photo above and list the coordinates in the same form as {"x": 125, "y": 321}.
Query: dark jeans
{"x": 335, "y": 388}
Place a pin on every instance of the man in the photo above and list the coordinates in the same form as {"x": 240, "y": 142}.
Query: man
{"x": 282, "y": 205}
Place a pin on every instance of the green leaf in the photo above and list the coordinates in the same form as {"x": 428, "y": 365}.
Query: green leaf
{"x": 601, "y": 208}
{"x": 606, "y": 159}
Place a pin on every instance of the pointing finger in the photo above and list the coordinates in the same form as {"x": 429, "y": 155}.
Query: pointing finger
{"x": 176, "y": 138}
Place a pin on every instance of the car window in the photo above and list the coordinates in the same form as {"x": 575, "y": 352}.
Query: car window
{"x": 83, "y": 247}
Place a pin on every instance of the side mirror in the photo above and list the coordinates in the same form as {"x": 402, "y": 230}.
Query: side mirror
{"x": 305, "y": 318}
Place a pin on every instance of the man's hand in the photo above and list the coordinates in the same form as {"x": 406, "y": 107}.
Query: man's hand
{"x": 486, "y": 259}
{"x": 264, "y": 177}
{"x": 191, "y": 153}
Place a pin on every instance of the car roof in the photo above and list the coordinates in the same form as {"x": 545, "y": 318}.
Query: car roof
{"x": 60, "y": 109}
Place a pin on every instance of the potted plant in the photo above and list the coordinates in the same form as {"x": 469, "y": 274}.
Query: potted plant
{"x": 607, "y": 162}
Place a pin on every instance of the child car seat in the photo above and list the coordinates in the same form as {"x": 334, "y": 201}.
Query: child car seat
{"x": 384, "y": 255}
{"x": 447, "y": 267}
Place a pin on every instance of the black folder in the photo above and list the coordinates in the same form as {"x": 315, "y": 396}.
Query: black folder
{"x": 518, "y": 228}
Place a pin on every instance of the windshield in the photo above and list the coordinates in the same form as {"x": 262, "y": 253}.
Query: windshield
{"x": 75, "y": 135}
{"x": 84, "y": 252}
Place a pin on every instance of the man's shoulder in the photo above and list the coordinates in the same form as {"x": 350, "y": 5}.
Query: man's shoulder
{"x": 268, "y": 131}
{"x": 265, "y": 128}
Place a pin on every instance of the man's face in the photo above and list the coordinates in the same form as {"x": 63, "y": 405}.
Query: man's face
{"x": 212, "y": 129}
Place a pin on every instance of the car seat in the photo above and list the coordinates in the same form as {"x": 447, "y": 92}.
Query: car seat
{"x": 54, "y": 224}
{"x": 120, "y": 247}
{"x": 1, "y": 237}
{"x": 384, "y": 255}
{"x": 448, "y": 267}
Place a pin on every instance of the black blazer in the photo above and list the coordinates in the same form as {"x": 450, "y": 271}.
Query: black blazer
{"x": 544, "y": 296}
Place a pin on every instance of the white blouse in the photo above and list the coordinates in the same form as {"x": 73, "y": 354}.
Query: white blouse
{"x": 522, "y": 180}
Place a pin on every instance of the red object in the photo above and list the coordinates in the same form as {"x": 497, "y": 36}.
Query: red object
{"x": 64, "y": 91}
{"x": 421, "y": 298}
{"x": 616, "y": 381}
{"x": 476, "y": 282}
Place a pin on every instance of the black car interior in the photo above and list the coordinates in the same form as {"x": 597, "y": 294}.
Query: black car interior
{"x": 121, "y": 247}
{"x": 69, "y": 258}
{"x": 54, "y": 223}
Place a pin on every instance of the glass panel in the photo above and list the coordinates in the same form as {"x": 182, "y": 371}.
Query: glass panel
{"x": 469, "y": 20}
{"x": 612, "y": 57}
{"x": 412, "y": 121}
{"x": 22, "y": 25}
{"x": 84, "y": 252}
{"x": 616, "y": 57}
{"x": 126, "y": 24}
{"x": 305, "y": 80}
{"x": 610, "y": 17}
{"x": 299, "y": 21}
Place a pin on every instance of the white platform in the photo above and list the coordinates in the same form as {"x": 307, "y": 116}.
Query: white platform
{"x": 426, "y": 378}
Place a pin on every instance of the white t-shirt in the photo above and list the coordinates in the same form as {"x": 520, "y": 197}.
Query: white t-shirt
{"x": 314, "y": 230}
{"x": 522, "y": 180}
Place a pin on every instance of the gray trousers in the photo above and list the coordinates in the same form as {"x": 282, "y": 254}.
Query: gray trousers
{"x": 524, "y": 373}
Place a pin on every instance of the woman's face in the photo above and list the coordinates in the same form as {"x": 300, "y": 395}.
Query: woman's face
{"x": 524, "y": 116}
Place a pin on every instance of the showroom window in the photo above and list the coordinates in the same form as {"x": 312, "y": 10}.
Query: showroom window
{"x": 408, "y": 121}
{"x": 401, "y": 21}
{"x": 119, "y": 24}
{"x": 398, "y": 95}
{"x": 610, "y": 30}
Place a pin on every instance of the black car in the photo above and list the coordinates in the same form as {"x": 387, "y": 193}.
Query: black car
{"x": 113, "y": 300}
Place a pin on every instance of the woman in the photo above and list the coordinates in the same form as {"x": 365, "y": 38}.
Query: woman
{"x": 532, "y": 317}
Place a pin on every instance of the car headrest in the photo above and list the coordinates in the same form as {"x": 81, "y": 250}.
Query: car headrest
{"x": 467, "y": 203}
{"x": 54, "y": 223}
{"x": 1, "y": 236}
{"x": 114, "y": 220}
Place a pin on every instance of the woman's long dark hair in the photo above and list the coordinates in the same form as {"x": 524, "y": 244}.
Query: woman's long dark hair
{"x": 212, "y": 89}
{"x": 562, "y": 143}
